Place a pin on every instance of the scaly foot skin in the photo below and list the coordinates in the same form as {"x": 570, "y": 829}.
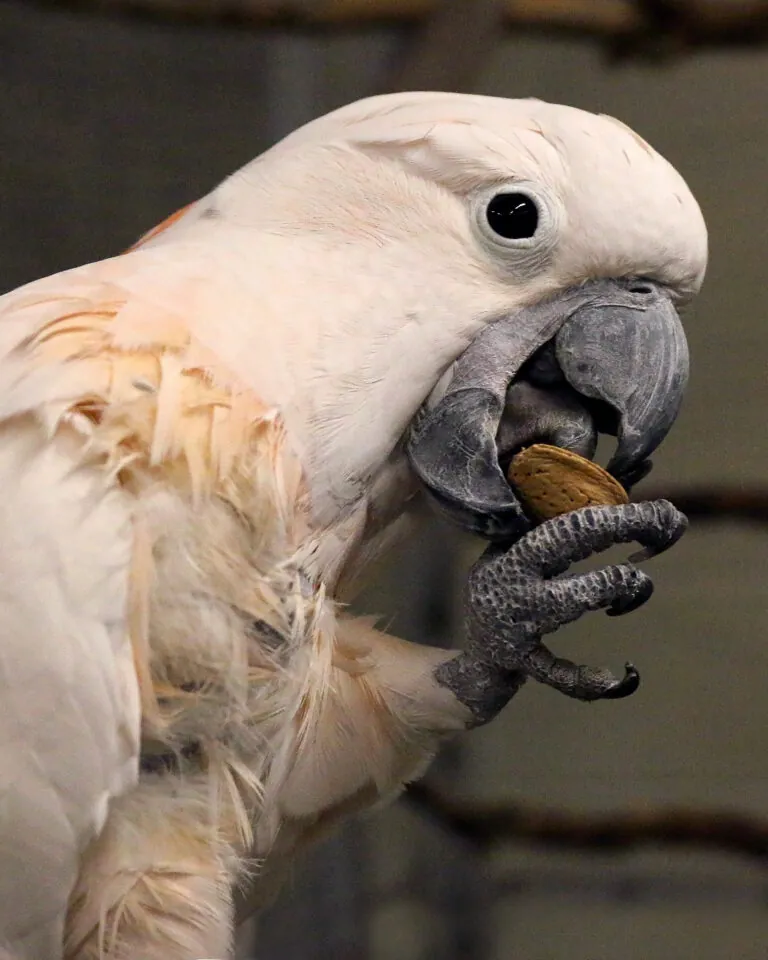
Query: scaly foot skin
{"x": 513, "y": 601}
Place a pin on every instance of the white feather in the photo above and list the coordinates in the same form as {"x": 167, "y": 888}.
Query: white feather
{"x": 69, "y": 709}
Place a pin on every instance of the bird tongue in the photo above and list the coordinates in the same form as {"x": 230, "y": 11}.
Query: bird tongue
{"x": 556, "y": 415}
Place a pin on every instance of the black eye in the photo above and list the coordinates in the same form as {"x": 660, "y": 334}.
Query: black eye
{"x": 513, "y": 216}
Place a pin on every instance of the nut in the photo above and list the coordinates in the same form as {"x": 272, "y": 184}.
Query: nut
{"x": 552, "y": 481}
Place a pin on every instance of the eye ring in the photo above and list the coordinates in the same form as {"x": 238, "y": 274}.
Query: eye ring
{"x": 525, "y": 255}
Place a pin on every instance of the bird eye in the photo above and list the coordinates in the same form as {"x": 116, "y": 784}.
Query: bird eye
{"x": 513, "y": 216}
{"x": 518, "y": 223}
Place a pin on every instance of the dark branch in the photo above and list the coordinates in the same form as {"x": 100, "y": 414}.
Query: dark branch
{"x": 715, "y": 503}
{"x": 485, "y": 826}
{"x": 638, "y": 27}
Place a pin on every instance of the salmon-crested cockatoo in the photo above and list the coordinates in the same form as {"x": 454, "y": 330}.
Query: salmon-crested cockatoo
{"x": 204, "y": 439}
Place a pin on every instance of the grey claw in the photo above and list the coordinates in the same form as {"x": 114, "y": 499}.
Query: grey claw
{"x": 552, "y": 547}
{"x": 670, "y": 526}
{"x": 629, "y": 602}
{"x": 626, "y": 686}
{"x": 517, "y": 596}
{"x": 579, "y": 682}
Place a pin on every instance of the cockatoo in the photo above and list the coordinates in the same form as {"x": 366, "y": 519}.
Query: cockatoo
{"x": 204, "y": 439}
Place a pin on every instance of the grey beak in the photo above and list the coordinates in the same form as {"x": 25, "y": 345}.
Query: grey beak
{"x": 631, "y": 353}
{"x": 619, "y": 342}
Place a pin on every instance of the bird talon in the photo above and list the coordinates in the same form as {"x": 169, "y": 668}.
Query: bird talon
{"x": 670, "y": 526}
{"x": 625, "y": 687}
{"x": 623, "y": 605}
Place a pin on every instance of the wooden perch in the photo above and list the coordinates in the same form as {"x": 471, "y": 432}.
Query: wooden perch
{"x": 714, "y": 503}
{"x": 602, "y": 16}
{"x": 487, "y": 826}
{"x": 627, "y": 24}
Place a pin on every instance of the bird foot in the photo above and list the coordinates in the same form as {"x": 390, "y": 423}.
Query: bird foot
{"x": 517, "y": 595}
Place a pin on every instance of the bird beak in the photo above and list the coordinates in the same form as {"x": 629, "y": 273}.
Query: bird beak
{"x": 609, "y": 356}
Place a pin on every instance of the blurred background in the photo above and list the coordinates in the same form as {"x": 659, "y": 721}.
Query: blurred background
{"x": 617, "y": 831}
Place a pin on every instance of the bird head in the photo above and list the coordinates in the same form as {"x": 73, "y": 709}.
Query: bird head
{"x": 460, "y": 276}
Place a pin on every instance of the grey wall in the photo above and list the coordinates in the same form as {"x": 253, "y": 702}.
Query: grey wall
{"x": 106, "y": 127}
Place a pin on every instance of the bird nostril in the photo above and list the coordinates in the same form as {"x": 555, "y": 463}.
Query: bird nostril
{"x": 640, "y": 287}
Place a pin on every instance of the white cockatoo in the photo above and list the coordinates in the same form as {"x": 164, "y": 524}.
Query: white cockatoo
{"x": 204, "y": 439}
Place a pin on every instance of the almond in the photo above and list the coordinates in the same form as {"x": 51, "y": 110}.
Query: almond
{"x": 552, "y": 481}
